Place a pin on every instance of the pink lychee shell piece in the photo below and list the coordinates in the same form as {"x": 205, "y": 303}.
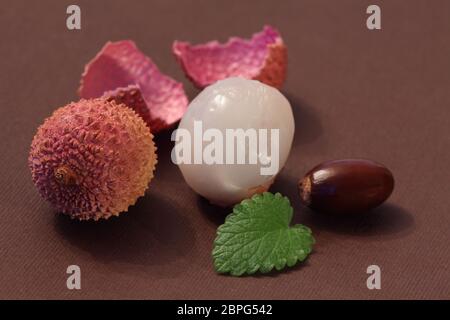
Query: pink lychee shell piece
{"x": 131, "y": 96}
{"x": 263, "y": 57}
{"x": 120, "y": 65}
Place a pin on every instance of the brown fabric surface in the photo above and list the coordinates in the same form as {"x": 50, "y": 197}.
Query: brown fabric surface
{"x": 381, "y": 95}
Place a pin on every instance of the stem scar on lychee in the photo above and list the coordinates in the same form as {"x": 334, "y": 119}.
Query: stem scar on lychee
{"x": 65, "y": 176}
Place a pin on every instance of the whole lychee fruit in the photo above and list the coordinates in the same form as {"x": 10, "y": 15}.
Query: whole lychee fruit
{"x": 92, "y": 159}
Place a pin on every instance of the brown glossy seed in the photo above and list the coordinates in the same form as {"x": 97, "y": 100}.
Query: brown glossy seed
{"x": 346, "y": 186}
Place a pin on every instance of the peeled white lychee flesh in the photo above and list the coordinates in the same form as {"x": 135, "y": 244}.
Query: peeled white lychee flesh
{"x": 234, "y": 103}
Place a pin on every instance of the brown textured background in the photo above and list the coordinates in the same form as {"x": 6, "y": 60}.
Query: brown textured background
{"x": 382, "y": 95}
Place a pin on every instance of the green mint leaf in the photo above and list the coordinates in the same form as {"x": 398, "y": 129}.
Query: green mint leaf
{"x": 257, "y": 237}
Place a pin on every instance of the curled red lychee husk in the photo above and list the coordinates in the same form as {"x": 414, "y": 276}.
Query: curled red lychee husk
{"x": 121, "y": 72}
{"x": 131, "y": 96}
{"x": 263, "y": 58}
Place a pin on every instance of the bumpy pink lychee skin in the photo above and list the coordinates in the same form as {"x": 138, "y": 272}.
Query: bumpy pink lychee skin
{"x": 120, "y": 66}
{"x": 263, "y": 58}
{"x": 92, "y": 159}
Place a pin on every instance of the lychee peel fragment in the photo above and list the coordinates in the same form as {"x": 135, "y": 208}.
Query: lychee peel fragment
{"x": 92, "y": 159}
{"x": 263, "y": 58}
{"x": 121, "y": 68}
{"x": 131, "y": 96}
